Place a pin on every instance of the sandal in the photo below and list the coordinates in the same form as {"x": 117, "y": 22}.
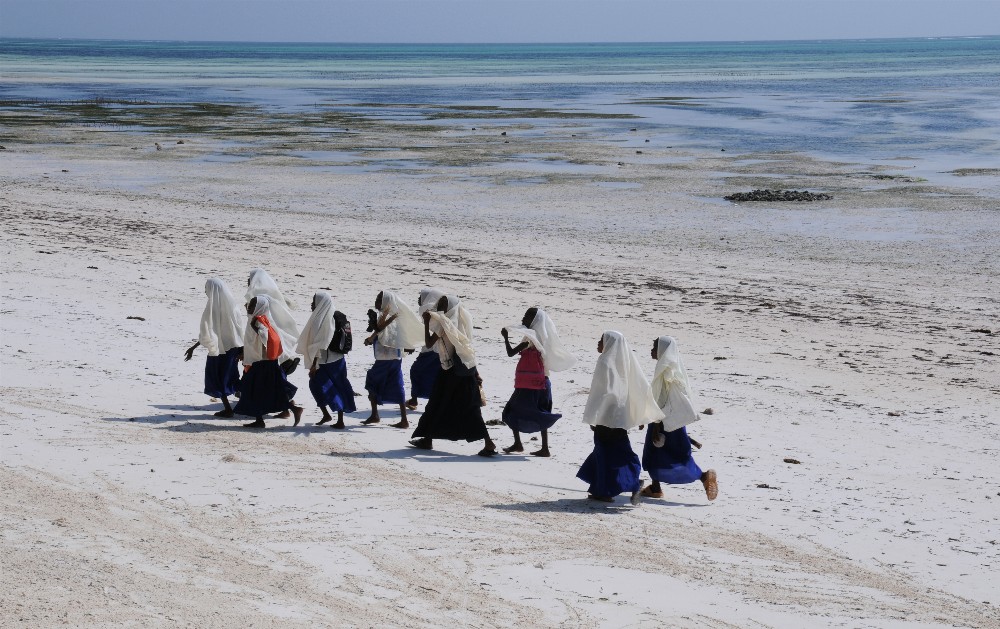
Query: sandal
{"x": 711, "y": 482}
{"x": 649, "y": 492}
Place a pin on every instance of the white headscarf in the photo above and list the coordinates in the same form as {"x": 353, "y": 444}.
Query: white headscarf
{"x": 670, "y": 386}
{"x": 620, "y": 396}
{"x": 253, "y": 338}
{"x": 459, "y": 315}
{"x": 221, "y": 320}
{"x": 318, "y": 330}
{"x": 450, "y": 325}
{"x": 428, "y": 299}
{"x": 406, "y": 331}
{"x": 281, "y": 317}
{"x": 542, "y": 334}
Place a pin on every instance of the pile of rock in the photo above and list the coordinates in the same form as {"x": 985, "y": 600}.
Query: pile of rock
{"x": 778, "y": 195}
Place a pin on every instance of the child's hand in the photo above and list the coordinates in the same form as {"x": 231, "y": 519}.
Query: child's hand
{"x": 188, "y": 354}
{"x": 312, "y": 371}
{"x": 427, "y": 317}
{"x": 503, "y": 333}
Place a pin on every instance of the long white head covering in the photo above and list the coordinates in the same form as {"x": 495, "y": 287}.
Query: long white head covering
{"x": 406, "y": 331}
{"x": 543, "y": 335}
{"x": 263, "y": 284}
{"x": 450, "y": 324}
{"x": 264, "y": 306}
{"x": 620, "y": 396}
{"x": 428, "y": 299}
{"x": 670, "y": 386}
{"x": 318, "y": 330}
{"x": 459, "y": 315}
{"x": 221, "y": 320}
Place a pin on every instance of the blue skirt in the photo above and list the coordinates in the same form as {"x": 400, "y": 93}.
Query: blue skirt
{"x": 222, "y": 373}
{"x": 330, "y": 387}
{"x": 673, "y": 463}
{"x": 612, "y": 468}
{"x": 423, "y": 372}
{"x": 264, "y": 389}
{"x": 385, "y": 382}
{"x": 530, "y": 410}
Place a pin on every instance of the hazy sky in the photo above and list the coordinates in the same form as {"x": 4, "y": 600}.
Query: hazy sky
{"x": 495, "y": 20}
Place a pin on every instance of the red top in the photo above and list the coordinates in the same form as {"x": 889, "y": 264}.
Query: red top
{"x": 273, "y": 349}
{"x": 530, "y": 372}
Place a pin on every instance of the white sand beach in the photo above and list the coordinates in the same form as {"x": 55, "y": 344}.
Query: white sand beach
{"x": 845, "y": 334}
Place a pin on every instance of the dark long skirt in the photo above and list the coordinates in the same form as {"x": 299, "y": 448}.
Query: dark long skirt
{"x": 264, "y": 389}
{"x": 423, "y": 372}
{"x": 330, "y": 387}
{"x": 673, "y": 463}
{"x": 222, "y": 373}
{"x": 612, "y": 468}
{"x": 453, "y": 410}
{"x": 530, "y": 410}
{"x": 385, "y": 382}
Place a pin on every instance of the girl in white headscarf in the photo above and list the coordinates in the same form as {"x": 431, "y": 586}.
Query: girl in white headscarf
{"x": 261, "y": 283}
{"x": 620, "y": 399}
{"x": 264, "y": 388}
{"x": 454, "y": 409}
{"x": 667, "y": 452}
{"x": 396, "y": 329}
{"x": 220, "y": 334}
{"x": 530, "y": 406}
{"x": 327, "y": 366}
{"x": 425, "y": 369}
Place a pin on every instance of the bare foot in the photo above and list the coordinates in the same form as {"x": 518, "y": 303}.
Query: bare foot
{"x": 637, "y": 495}
{"x": 411, "y": 404}
{"x": 297, "y": 412}
{"x": 514, "y": 448}
{"x": 711, "y": 482}
{"x": 224, "y": 413}
{"x": 423, "y": 443}
{"x": 542, "y": 452}
{"x": 401, "y": 424}
{"x": 600, "y": 498}
{"x": 326, "y": 420}
{"x": 284, "y": 415}
{"x": 487, "y": 452}
{"x": 339, "y": 425}
{"x": 371, "y": 420}
{"x": 259, "y": 423}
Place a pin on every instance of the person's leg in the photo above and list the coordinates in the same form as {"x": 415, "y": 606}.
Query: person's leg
{"x": 296, "y": 412}
{"x": 373, "y": 418}
{"x": 327, "y": 417}
{"x": 340, "y": 420}
{"x": 258, "y": 423}
{"x": 517, "y": 446}
{"x": 227, "y": 410}
{"x": 402, "y": 423}
{"x": 544, "y": 451}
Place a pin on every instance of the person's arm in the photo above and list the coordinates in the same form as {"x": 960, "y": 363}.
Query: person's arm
{"x": 190, "y": 352}
{"x": 513, "y": 351}
{"x": 382, "y": 324}
{"x": 314, "y": 366}
{"x": 429, "y": 339}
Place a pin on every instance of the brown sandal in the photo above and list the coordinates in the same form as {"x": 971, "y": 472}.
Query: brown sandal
{"x": 711, "y": 482}
{"x": 648, "y": 492}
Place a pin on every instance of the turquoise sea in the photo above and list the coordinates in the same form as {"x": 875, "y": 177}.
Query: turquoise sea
{"x": 868, "y": 99}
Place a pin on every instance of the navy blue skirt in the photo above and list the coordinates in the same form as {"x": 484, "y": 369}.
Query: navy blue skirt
{"x": 454, "y": 410}
{"x": 385, "y": 381}
{"x": 264, "y": 389}
{"x": 222, "y": 373}
{"x": 612, "y": 468}
{"x": 530, "y": 410}
{"x": 673, "y": 463}
{"x": 330, "y": 387}
{"x": 423, "y": 372}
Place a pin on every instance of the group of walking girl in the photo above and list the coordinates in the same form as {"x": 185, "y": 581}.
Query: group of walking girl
{"x": 445, "y": 374}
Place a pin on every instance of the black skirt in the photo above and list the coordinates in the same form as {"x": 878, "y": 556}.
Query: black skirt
{"x": 264, "y": 389}
{"x": 454, "y": 410}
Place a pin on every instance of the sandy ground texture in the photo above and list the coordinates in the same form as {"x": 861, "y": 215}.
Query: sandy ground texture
{"x": 857, "y": 336}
